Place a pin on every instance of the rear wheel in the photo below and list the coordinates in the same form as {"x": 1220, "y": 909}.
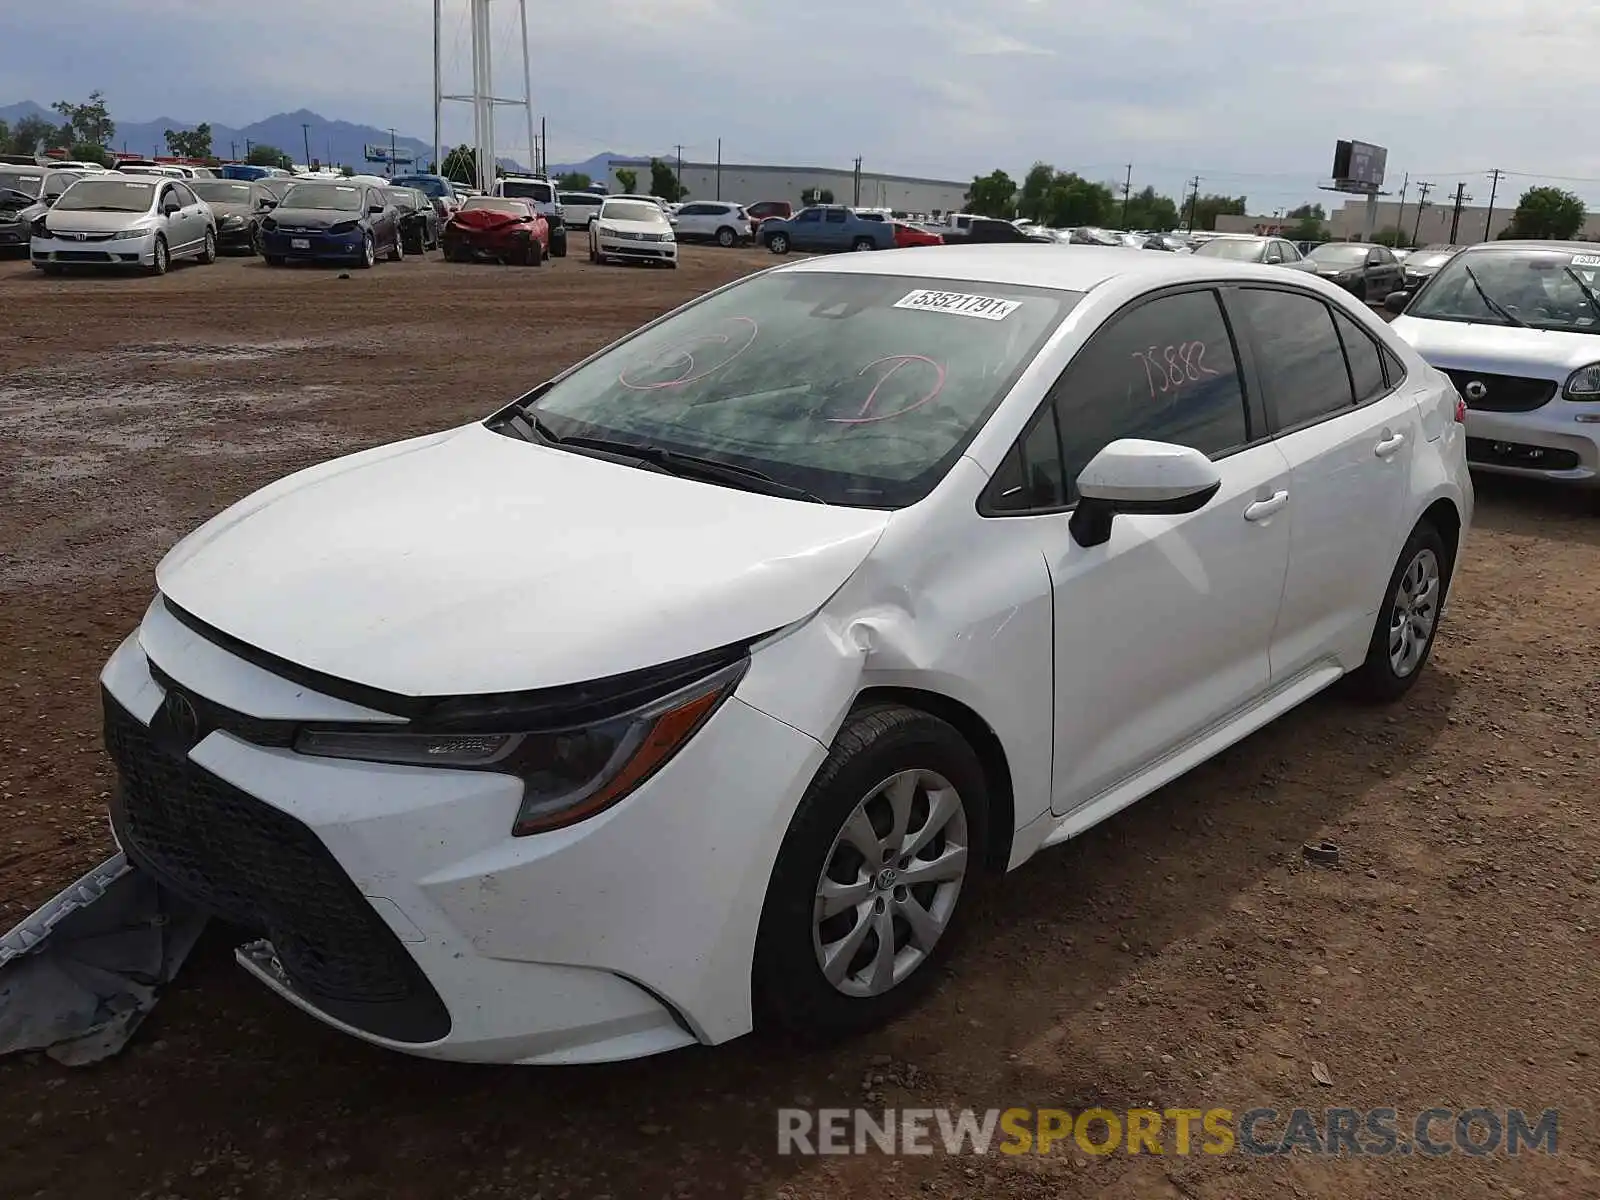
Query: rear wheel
{"x": 863, "y": 243}
{"x": 726, "y": 237}
{"x": 273, "y": 260}
{"x": 558, "y": 244}
{"x": 1402, "y": 638}
{"x": 873, "y": 877}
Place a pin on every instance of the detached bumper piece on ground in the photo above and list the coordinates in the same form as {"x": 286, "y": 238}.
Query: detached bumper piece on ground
{"x": 80, "y": 974}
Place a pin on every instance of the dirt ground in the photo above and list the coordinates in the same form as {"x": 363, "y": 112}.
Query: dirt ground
{"x": 1181, "y": 955}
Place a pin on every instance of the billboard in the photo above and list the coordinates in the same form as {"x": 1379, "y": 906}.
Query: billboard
{"x": 398, "y": 155}
{"x": 1359, "y": 164}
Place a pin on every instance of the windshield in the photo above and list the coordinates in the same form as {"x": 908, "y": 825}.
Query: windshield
{"x": 494, "y": 204}
{"x": 29, "y": 182}
{"x": 1428, "y": 258}
{"x": 1542, "y": 288}
{"x": 221, "y": 191}
{"x": 426, "y": 185}
{"x": 107, "y": 195}
{"x": 1238, "y": 249}
{"x": 339, "y": 197}
{"x": 526, "y": 190}
{"x": 403, "y": 198}
{"x": 1346, "y": 254}
{"x": 862, "y": 389}
{"x": 632, "y": 210}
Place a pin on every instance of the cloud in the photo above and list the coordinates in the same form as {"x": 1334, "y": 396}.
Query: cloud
{"x": 1249, "y": 97}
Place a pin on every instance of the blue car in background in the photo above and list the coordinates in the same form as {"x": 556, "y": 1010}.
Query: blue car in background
{"x": 825, "y": 227}
{"x": 318, "y": 221}
{"x": 248, "y": 173}
{"x": 436, "y": 188}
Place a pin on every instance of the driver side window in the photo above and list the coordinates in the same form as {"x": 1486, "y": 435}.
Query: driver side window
{"x": 809, "y": 214}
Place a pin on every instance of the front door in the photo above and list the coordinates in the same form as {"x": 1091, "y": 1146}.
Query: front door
{"x": 1163, "y": 631}
{"x": 1350, "y": 434}
{"x": 805, "y": 231}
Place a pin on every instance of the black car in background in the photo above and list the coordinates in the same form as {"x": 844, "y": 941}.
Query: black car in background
{"x": 236, "y": 204}
{"x": 320, "y": 221}
{"x": 1421, "y": 265}
{"x": 419, "y": 219}
{"x": 993, "y": 231}
{"x": 26, "y": 194}
{"x": 1366, "y": 271}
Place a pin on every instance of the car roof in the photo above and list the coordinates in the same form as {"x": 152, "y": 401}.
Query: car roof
{"x": 1047, "y": 265}
{"x": 1535, "y": 244}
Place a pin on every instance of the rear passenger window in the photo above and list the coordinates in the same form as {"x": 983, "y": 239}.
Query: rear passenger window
{"x": 1361, "y": 352}
{"x": 1298, "y": 354}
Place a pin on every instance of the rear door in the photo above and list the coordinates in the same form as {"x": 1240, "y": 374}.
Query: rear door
{"x": 835, "y": 228}
{"x": 1350, "y": 435}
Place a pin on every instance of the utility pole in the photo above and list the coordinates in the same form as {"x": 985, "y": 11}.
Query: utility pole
{"x": 719, "y": 168}
{"x": 247, "y": 147}
{"x": 544, "y": 148}
{"x": 1455, "y": 216}
{"x": 391, "y": 151}
{"x": 1497, "y": 174}
{"x": 1422, "y": 202}
{"x": 233, "y": 151}
{"x": 1194, "y": 201}
{"x": 679, "y": 151}
{"x": 1127, "y": 187}
{"x": 857, "y": 177}
{"x": 1400, "y": 217}
{"x": 305, "y": 130}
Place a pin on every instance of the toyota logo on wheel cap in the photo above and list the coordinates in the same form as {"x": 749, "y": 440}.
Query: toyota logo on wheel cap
{"x": 1477, "y": 390}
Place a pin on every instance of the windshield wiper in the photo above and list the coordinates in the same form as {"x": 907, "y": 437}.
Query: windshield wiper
{"x": 1500, "y": 310}
{"x": 1588, "y": 293}
{"x": 672, "y": 462}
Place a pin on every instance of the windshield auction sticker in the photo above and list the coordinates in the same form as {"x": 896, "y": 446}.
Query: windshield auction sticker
{"x": 961, "y": 304}
{"x": 1586, "y": 260}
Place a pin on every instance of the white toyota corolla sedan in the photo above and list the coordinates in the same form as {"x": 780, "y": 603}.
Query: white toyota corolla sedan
{"x": 1516, "y": 326}
{"x": 703, "y": 684}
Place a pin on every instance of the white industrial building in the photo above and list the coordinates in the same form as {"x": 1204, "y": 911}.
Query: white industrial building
{"x": 746, "y": 183}
{"x": 1432, "y": 224}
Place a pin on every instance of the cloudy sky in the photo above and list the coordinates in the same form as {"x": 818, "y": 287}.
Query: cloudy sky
{"x": 1250, "y": 96}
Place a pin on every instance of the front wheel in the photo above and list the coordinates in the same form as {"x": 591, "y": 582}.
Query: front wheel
{"x": 874, "y": 875}
{"x": 726, "y": 237}
{"x": 160, "y": 257}
{"x": 273, "y": 260}
{"x": 778, "y": 243}
{"x": 1403, "y": 637}
{"x": 369, "y": 253}
{"x": 558, "y": 245}
{"x": 534, "y": 255}
{"x": 208, "y": 252}
{"x": 397, "y": 252}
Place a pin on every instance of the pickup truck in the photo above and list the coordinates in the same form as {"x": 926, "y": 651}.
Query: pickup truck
{"x": 826, "y": 227}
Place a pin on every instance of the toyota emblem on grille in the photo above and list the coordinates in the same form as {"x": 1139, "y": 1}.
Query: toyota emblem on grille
{"x": 1477, "y": 390}
{"x": 182, "y": 718}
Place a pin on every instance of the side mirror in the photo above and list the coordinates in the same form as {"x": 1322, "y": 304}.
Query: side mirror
{"x": 50, "y": 201}
{"x": 1396, "y": 302}
{"x": 267, "y": 205}
{"x": 171, "y": 208}
{"x": 1133, "y": 476}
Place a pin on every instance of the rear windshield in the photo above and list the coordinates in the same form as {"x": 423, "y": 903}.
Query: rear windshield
{"x": 526, "y": 190}
{"x": 862, "y": 389}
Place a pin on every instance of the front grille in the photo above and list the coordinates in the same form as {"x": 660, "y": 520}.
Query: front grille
{"x": 259, "y": 868}
{"x": 1504, "y": 393}
{"x": 83, "y": 256}
{"x": 1487, "y": 452}
{"x": 261, "y": 731}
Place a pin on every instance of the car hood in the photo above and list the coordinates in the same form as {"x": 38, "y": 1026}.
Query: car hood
{"x": 1299, "y": 264}
{"x": 1499, "y": 349}
{"x": 468, "y": 562}
{"x": 313, "y": 218}
{"x": 480, "y": 220}
{"x": 633, "y": 226}
{"x": 80, "y": 221}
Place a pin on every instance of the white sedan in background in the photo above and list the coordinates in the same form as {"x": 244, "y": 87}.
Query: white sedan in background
{"x": 124, "y": 221}
{"x": 632, "y": 231}
{"x": 704, "y": 684}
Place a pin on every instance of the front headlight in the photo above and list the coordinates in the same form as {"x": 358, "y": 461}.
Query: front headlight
{"x": 342, "y": 227}
{"x": 569, "y": 774}
{"x": 604, "y": 230}
{"x": 1583, "y": 384}
{"x": 669, "y": 237}
{"x": 128, "y": 235}
{"x": 233, "y": 221}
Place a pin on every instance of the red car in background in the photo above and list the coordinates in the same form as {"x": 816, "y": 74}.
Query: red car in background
{"x": 909, "y": 235}
{"x": 762, "y": 209}
{"x": 499, "y": 229}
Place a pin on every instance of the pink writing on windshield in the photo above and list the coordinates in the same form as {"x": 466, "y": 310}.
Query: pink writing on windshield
{"x": 899, "y": 361}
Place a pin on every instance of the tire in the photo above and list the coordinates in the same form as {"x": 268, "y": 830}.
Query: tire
{"x": 778, "y": 243}
{"x": 161, "y": 260}
{"x": 673, "y": 265}
{"x": 862, "y": 243}
{"x": 558, "y": 245}
{"x": 208, "y": 251}
{"x": 1394, "y": 656}
{"x": 369, "y": 253}
{"x": 397, "y": 252}
{"x": 877, "y": 747}
{"x": 726, "y": 237}
{"x": 273, "y": 260}
{"x": 534, "y": 255}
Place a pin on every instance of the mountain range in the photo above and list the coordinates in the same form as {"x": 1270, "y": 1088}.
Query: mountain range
{"x": 330, "y": 141}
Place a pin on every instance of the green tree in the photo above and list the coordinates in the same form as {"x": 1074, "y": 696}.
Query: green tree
{"x": 993, "y": 195}
{"x": 573, "y": 181}
{"x": 1208, "y": 208}
{"x": 1547, "y": 212}
{"x": 89, "y": 152}
{"x": 89, "y": 121}
{"x": 195, "y": 143}
{"x": 1074, "y": 200}
{"x": 628, "y": 180}
{"x": 461, "y": 165}
{"x": 1148, "y": 210}
{"x": 1308, "y": 212}
{"x": 664, "y": 183}
{"x": 1390, "y": 236}
{"x": 1036, "y": 185}
{"x": 29, "y": 135}
{"x": 263, "y": 155}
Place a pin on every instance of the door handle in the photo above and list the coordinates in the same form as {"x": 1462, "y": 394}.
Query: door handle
{"x": 1262, "y": 509}
{"x": 1389, "y": 445}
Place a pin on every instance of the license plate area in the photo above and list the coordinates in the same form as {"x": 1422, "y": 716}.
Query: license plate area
{"x": 300, "y": 243}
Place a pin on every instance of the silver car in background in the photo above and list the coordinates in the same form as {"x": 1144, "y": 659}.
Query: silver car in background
{"x": 1516, "y": 327}
{"x": 119, "y": 220}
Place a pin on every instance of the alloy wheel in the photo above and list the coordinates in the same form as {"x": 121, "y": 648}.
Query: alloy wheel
{"x": 1414, "y": 612}
{"x": 890, "y": 883}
